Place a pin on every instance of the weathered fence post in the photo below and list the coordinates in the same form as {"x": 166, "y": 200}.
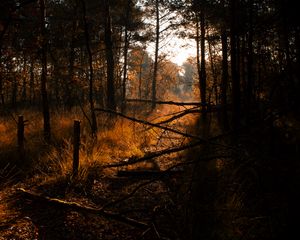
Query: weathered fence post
{"x": 21, "y": 135}
{"x": 76, "y": 145}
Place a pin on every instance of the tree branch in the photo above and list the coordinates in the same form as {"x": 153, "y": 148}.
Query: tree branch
{"x": 154, "y": 155}
{"x": 200, "y": 140}
{"x": 152, "y": 124}
{"x": 77, "y": 207}
{"x": 166, "y": 102}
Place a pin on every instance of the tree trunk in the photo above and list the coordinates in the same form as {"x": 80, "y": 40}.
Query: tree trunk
{"x": 224, "y": 81}
{"x": 126, "y": 46}
{"x": 250, "y": 79}
{"x": 214, "y": 87}
{"x": 31, "y": 82}
{"x": 140, "y": 76}
{"x": 24, "y": 85}
{"x": 111, "y": 102}
{"x": 91, "y": 72}
{"x": 198, "y": 51}
{"x": 203, "y": 61}
{"x": 235, "y": 65}
{"x": 154, "y": 79}
{"x": 44, "y": 94}
{"x": 69, "y": 90}
{"x": 1, "y": 88}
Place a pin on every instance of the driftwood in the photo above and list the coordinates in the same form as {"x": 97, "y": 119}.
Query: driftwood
{"x": 77, "y": 207}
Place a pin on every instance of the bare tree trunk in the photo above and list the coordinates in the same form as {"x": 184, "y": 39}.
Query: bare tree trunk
{"x": 157, "y": 31}
{"x": 198, "y": 51}
{"x": 214, "y": 74}
{"x": 126, "y": 46}
{"x": 203, "y": 61}
{"x": 14, "y": 92}
{"x": 24, "y": 85}
{"x": 140, "y": 76}
{"x": 69, "y": 90}
{"x": 1, "y": 88}
{"x": 111, "y": 102}
{"x": 45, "y": 104}
{"x": 1, "y": 79}
{"x": 234, "y": 65}
{"x": 91, "y": 71}
{"x": 250, "y": 79}
{"x": 31, "y": 82}
{"x": 224, "y": 82}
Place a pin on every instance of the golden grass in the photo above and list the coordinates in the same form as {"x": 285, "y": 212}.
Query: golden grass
{"x": 114, "y": 142}
{"x": 7, "y": 134}
{"x": 111, "y": 145}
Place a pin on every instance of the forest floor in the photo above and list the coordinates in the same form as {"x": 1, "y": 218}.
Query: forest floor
{"x": 227, "y": 190}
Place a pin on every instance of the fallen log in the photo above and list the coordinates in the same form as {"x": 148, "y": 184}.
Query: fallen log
{"x": 79, "y": 208}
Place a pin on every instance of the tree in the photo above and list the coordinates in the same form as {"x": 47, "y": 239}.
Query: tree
{"x": 157, "y": 39}
{"x": 111, "y": 102}
{"x": 91, "y": 71}
{"x": 139, "y": 67}
{"x": 43, "y": 49}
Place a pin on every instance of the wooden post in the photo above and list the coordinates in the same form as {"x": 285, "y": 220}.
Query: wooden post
{"x": 76, "y": 145}
{"x": 21, "y": 135}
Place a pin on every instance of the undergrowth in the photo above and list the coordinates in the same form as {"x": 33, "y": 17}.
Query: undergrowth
{"x": 115, "y": 141}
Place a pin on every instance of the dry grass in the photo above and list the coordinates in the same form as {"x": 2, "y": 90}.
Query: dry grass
{"x": 116, "y": 140}
{"x": 120, "y": 141}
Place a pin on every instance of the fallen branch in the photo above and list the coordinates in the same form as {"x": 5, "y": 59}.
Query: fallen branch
{"x": 154, "y": 155}
{"x": 160, "y": 175}
{"x": 167, "y": 102}
{"x": 77, "y": 207}
{"x": 152, "y": 124}
{"x": 179, "y": 115}
{"x": 200, "y": 140}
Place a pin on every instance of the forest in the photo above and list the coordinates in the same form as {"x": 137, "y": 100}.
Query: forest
{"x": 158, "y": 119}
